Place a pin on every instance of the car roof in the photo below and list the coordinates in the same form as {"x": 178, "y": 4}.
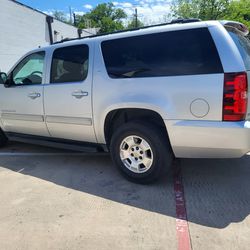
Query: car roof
{"x": 139, "y": 31}
{"x": 135, "y": 32}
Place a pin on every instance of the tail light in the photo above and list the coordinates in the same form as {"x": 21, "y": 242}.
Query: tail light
{"x": 235, "y": 96}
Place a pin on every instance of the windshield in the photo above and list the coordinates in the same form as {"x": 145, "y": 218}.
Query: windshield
{"x": 243, "y": 45}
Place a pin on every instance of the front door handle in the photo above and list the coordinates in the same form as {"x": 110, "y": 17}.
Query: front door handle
{"x": 79, "y": 94}
{"x": 34, "y": 95}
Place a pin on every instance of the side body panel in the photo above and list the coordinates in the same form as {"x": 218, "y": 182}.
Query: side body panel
{"x": 213, "y": 139}
{"x": 69, "y": 116}
{"x": 19, "y": 112}
{"x": 171, "y": 97}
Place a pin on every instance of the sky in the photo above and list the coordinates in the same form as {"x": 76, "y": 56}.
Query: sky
{"x": 149, "y": 11}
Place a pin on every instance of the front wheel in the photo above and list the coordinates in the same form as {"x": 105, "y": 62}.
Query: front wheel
{"x": 141, "y": 151}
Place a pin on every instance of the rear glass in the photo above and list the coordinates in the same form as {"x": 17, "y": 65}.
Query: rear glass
{"x": 173, "y": 53}
{"x": 243, "y": 45}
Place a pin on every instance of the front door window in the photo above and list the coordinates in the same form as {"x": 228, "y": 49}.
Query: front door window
{"x": 29, "y": 70}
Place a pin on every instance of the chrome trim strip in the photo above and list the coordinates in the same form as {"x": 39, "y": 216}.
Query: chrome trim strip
{"x": 22, "y": 117}
{"x": 69, "y": 120}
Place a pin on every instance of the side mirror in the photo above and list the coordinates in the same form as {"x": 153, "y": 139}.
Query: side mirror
{"x": 3, "y": 78}
{"x": 8, "y": 83}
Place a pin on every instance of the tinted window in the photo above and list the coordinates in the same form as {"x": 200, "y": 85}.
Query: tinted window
{"x": 243, "y": 45}
{"x": 29, "y": 70}
{"x": 70, "y": 64}
{"x": 185, "y": 52}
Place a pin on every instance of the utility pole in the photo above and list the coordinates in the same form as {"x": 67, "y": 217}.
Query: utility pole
{"x": 87, "y": 23}
{"x": 74, "y": 18}
{"x": 136, "y": 18}
{"x": 70, "y": 14}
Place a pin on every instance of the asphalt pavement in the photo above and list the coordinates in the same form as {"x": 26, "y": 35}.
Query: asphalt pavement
{"x": 59, "y": 199}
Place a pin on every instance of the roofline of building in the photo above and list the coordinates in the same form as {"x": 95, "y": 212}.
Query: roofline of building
{"x": 38, "y": 11}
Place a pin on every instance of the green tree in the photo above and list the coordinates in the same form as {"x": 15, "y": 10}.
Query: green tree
{"x": 60, "y": 15}
{"x": 104, "y": 16}
{"x": 239, "y": 11}
{"x": 133, "y": 24}
{"x": 204, "y": 10}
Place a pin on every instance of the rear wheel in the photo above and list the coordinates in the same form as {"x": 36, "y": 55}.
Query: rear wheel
{"x": 141, "y": 151}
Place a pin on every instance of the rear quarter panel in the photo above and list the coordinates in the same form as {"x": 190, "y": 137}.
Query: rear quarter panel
{"x": 229, "y": 54}
{"x": 171, "y": 96}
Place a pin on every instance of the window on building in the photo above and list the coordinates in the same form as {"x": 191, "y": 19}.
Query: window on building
{"x": 70, "y": 64}
{"x": 173, "y": 53}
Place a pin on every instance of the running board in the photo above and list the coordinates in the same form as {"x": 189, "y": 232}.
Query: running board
{"x": 58, "y": 143}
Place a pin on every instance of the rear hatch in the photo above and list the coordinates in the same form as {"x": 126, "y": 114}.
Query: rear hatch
{"x": 239, "y": 33}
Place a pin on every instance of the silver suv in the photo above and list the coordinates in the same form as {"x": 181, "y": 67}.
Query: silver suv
{"x": 147, "y": 95}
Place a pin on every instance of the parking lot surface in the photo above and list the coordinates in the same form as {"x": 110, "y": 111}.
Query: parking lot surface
{"x": 58, "y": 199}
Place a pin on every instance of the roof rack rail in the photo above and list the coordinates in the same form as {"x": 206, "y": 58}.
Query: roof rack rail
{"x": 185, "y": 20}
{"x": 174, "y": 21}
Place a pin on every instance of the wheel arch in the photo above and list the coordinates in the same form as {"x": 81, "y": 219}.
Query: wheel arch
{"x": 119, "y": 116}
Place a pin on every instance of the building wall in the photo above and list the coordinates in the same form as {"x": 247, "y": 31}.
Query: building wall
{"x": 23, "y": 29}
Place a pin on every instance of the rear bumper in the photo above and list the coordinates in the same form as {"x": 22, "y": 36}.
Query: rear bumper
{"x": 208, "y": 139}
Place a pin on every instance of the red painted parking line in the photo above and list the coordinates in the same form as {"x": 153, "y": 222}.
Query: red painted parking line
{"x": 182, "y": 230}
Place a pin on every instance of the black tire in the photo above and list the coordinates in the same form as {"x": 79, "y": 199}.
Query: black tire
{"x": 159, "y": 145}
{"x": 3, "y": 138}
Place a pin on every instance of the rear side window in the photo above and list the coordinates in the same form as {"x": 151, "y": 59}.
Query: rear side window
{"x": 70, "y": 64}
{"x": 174, "y": 53}
{"x": 243, "y": 45}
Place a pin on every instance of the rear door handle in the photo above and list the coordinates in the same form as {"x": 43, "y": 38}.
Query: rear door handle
{"x": 34, "y": 95}
{"x": 79, "y": 94}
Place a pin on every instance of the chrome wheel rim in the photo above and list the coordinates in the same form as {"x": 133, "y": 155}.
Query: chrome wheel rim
{"x": 136, "y": 154}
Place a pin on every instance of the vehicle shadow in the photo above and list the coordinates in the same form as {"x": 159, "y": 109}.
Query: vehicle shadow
{"x": 95, "y": 175}
{"x": 217, "y": 192}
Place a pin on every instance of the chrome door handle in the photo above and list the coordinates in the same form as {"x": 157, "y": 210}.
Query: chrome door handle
{"x": 79, "y": 94}
{"x": 34, "y": 95}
